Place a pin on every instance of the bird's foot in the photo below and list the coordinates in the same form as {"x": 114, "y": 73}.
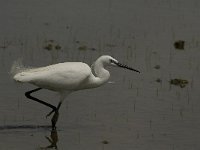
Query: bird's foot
{"x": 49, "y": 114}
{"x": 54, "y": 109}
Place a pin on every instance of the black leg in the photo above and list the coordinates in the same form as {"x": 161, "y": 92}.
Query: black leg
{"x": 55, "y": 109}
{"x": 54, "y": 120}
{"x": 28, "y": 95}
{"x": 55, "y": 116}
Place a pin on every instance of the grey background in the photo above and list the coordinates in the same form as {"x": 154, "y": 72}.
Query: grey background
{"x": 135, "y": 112}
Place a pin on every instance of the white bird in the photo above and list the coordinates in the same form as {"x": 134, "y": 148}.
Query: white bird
{"x": 67, "y": 77}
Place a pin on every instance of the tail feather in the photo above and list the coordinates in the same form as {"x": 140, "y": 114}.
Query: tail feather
{"x": 18, "y": 71}
{"x": 22, "y": 77}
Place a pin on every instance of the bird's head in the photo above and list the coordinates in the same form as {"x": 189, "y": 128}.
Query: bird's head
{"x": 110, "y": 61}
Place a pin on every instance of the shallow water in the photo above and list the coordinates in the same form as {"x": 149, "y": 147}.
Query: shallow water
{"x": 138, "y": 111}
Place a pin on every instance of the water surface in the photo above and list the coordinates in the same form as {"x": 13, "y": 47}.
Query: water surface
{"x": 139, "y": 111}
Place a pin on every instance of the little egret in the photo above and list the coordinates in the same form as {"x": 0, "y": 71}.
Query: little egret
{"x": 67, "y": 77}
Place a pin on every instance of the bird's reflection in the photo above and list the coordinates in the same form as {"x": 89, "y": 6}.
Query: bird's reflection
{"x": 53, "y": 139}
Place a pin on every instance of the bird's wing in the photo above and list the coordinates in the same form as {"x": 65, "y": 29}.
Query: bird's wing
{"x": 66, "y": 76}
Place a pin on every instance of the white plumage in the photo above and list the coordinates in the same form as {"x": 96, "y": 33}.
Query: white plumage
{"x": 68, "y": 77}
{"x": 58, "y": 77}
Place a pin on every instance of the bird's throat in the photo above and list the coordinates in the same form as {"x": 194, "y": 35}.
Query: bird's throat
{"x": 102, "y": 75}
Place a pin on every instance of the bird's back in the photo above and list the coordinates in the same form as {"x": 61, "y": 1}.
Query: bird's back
{"x": 58, "y": 77}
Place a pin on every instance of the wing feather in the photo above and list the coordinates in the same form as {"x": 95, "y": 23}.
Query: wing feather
{"x": 62, "y": 76}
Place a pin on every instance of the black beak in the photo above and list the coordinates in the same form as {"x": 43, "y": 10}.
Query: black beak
{"x": 125, "y": 66}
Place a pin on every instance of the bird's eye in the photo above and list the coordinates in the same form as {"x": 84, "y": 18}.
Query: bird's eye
{"x": 111, "y": 61}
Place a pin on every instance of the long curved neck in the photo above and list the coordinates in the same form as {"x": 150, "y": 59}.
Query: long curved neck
{"x": 101, "y": 74}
